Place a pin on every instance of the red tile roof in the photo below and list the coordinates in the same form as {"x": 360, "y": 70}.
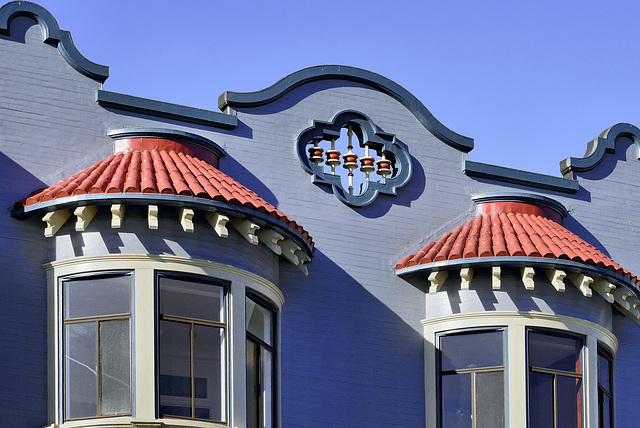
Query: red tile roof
{"x": 155, "y": 171}
{"x": 509, "y": 234}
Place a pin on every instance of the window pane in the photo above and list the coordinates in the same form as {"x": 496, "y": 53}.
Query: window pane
{"x": 209, "y": 368}
{"x": 175, "y": 368}
{"x": 604, "y": 372}
{"x": 80, "y": 368}
{"x": 473, "y": 350}
{"x": 252, "y": 385}
{"x": 195, "y": 300}
{"x": 93, "y": 297}
{"x": 456, "y": 401}
{"x": 540, "y": 400}
{"x": 554, "y": 352}
{"x": 266, "y": 367}
{"x": 569, "y": 402}
{"x": 259, "y": 321}
{"x": 490, "y": 400}
{"x": 115, "y": 366}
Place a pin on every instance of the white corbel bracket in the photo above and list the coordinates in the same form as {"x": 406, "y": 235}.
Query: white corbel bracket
{"x": 186, "y": 219}
{"x": 84, "y": 215}
{"x": 152, "y": 217}
{"x": 247, "y": 229}
{"x": 527, "y": 274}
{"x": 604, "y": 288}
{"x": 634, "y": 303}
{"x": 117, "y": 215}
{"x": 218, "y": 222}
{"x": 291, "y": 252}
{"x": 583, "y": 282}
{"x": 466, "y": 275}
{"x": 556, "y": 278}
{"x": 437, "y": 279}
{"x": 55, "y": 220}
{"x": 495, "y": 278}
{"x": 271, "y": 238}
{"x": 621, "y": 297}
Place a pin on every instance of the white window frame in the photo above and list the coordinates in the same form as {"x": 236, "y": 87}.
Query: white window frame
{"x": 143, "y": 323}
{"x": 516, "y": 325}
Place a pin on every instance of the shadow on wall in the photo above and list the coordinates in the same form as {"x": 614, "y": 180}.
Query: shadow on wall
{"x": 23, "y": 305}
{"x": 347, "y": 359}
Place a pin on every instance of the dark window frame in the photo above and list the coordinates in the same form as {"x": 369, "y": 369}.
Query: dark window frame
{"x": 606, "y": 353}
{"x": 556, "y": 373}
{"x": 97, "y": 319}
{"x": 440, "y": 373}
{"x": 266, "y": 304}
{"x": 203, "y": 279}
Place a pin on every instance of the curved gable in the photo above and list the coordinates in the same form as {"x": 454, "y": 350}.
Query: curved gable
{"x": 325, "y": 72}
{"x": 53, "y": 35}
{"x": 597, "y": 148}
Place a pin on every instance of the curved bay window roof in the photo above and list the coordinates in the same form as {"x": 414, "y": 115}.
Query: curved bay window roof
{"x": 157, "y": 167}
{"x": 525, "y": 231}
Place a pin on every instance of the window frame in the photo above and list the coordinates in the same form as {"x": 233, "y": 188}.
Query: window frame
{"x": 275, "y": 376}
{"x": 555, "y": 373}
{"x": 606, "y": 353}
{"x": 224, "y": 324}
{"x": 492, "y": 369}
{"x": 62, "y": 323}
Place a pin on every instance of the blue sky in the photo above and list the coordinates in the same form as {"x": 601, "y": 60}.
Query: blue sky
{"x": 531, "y": 81}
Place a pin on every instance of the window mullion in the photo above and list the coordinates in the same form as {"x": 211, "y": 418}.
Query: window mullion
{"x": 98, "y": 371}
{"x": 193, "y": 369}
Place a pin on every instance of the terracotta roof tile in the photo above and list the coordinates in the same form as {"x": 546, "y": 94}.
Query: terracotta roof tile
{"x": 515, "y": 235}
{"x": 165, "y": 172}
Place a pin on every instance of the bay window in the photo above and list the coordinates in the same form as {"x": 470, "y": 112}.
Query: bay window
{"x": 168, "y": 340}
{"x": 529, "y": 369}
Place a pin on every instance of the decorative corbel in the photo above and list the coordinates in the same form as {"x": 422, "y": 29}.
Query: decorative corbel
{"x": 582, "y": 281}
{"x": 556, "y": 278}
{"x": 437, "y": 280}
{"x": 117, "y": 215}
{"x": 55, "y": 220}
{"x": 218, "y": 222}
{"x": 186, "y": 219}
{"x": 84, "y": 215}
{"x": 527, "y": 274}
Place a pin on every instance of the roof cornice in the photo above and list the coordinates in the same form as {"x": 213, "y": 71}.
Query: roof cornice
{"x": 341, "y": 72}
{"x": 53, "y": 35}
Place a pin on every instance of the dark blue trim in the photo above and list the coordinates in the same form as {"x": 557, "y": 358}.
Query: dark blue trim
{"x": 516, "y": 176}
{"x": 166, "y": 110}
{"x": 422, "y": 271}
{"x": 527, "y": 198}
{"x": 53, "y": 35}
{"x": 20, "y": 212}
{"x": 367, "y": 133}
{"x": 341, "y": 72}
{"x": 599, "y": 147}
{"x": 170, "y": 134}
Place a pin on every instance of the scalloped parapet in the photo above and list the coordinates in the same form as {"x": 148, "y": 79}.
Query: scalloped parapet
{"x": 53, "y": 35}
{"x": 324, "y": 72}
{"x": 599, "y": 147}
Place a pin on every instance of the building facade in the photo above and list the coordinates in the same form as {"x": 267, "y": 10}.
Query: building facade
{"x": 322, "y": 252}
